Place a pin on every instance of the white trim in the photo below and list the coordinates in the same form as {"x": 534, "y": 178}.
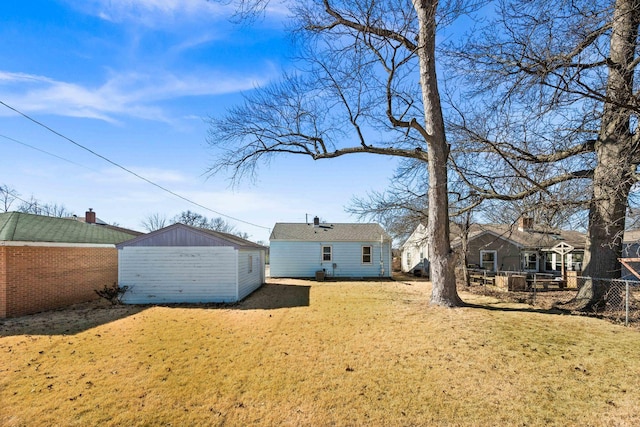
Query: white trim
{"x": 58, "y": 245}
{"x": 322, "y": 253}
{"x": 237, "y": 252}
{"x": 525, "y": 266}
{"x": 495, "y": 258}
{"x": 370, "y": 254}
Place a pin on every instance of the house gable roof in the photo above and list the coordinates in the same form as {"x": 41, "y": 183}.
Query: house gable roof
{"x": 179, "y": 234}
{"x": 526, "y": 239}
{"x": 23, "y": 227}
{"x": 336, "y": 232}
{"x": 418, "y": 237}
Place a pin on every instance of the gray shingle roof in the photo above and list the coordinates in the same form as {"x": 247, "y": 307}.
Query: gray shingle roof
{"x": 340, "y": 232}
{"x": 535, "y": 238}
{"x": 179, "y": 234}
{"x": 22, "y": 227}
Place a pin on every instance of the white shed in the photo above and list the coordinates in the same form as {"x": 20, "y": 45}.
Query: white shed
{"x": 181, "y": 263}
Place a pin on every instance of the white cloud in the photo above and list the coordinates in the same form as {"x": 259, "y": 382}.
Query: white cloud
{"x": 153, "y": 13}
{"x": 122, "y": 95}
{"x": 122, "y": 178}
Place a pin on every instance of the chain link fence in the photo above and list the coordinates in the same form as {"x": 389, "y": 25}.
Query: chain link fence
{"x": 618, "y": 299}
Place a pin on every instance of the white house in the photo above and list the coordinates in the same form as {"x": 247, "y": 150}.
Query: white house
{"x": 414, "y": 252}
{"x": 336, "y": 250}
{"x": 180, "y": 263}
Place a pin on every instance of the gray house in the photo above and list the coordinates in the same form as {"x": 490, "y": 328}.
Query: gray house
{"x": 336, "y": 250}
{"x": 180, "y": 263}
{"x": 525, "y": 247}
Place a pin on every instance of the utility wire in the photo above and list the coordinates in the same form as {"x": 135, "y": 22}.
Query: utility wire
{"x": 126, "y": 169}
{"x": 43, "y": 151}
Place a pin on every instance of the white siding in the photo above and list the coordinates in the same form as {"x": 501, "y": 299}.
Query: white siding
{"x": 178, "y": 274}
{"x": 249, "y": 279}
{"x": 415, "y": 250}
{"x": 303, "y": 259}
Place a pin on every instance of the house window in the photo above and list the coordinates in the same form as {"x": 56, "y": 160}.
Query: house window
{"x": 530, "y": 261}
{"x": 489, "y": 260}
{"x": 575, "y": 260}
{"x": 409, "y": 260}
{"x": 366, "y": 254}
{"x": 326, "y": 254}
{"x": 250, "y": 263}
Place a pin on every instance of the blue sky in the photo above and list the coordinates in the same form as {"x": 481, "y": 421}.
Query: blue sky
{"x": 135, "y": 80}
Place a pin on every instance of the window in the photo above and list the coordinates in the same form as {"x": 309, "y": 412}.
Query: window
{"x": 326, "y": 253}
{"x": 366, "y": 254}
{"x": 409, "y": 260}
{"x": 530, "y": 261}
{"x": 250, "y": 263}
{"x": 488, "y": 260}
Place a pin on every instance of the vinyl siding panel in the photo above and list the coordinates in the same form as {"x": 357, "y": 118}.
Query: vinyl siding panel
{"x": 303, "y": 259}
{"x": 508, "y": 254}
{"x": 250, "y": 279}
{"x": 178, "y": 274}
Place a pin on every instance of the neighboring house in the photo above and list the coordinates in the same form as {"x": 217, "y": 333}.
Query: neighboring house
{"x": 501, "y": 247}
{"x": 48, "y": 263}
{"x": 181, "y": 263}
{"x": 337, "y": 250}
{"x": 414, "y": 252}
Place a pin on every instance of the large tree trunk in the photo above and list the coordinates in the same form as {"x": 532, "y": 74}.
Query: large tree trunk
{"x": 440, "y": 254}
{"x": 616, "y": 160}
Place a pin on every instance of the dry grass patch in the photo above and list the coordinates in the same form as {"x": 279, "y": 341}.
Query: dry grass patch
{"x": 307, "y": 353}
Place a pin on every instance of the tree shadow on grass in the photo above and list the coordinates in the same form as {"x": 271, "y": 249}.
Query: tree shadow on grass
{"x": 274, "y": 296}
{"x": 492, "y": 307}
{"x": 69, "y": 320}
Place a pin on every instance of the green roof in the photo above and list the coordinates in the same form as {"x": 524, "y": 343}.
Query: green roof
{"x": 22, "y": 227}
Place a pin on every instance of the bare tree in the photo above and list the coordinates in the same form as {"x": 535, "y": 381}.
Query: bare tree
{"x": 562, "y": 75}
{"x": 367, "y": 75}
{"x": 217, "y": 224}
{"x": 36, "y": 207}
{"x": 7, "y": 197}
{"x": 402, "y": 206}
{"x": 154, "y": 222}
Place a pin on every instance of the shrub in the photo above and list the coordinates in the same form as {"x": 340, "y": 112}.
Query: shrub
{"x": 112, "y": 293}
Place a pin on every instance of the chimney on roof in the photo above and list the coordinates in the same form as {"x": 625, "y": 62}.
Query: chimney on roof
{"x": 316, "y": 221}
{"x": 90, "y": 216}
{"x": 525, "y": 223}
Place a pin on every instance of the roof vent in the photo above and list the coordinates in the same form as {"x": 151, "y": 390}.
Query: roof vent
{"x": 316, "y": 221}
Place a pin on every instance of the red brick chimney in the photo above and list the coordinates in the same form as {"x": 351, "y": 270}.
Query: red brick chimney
{"x": 525, "y": 223}
{"x": 90, "y": 216}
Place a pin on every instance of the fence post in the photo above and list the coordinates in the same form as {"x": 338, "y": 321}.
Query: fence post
{"x": 626, "y": 304}
{"x": 535, "y": 285}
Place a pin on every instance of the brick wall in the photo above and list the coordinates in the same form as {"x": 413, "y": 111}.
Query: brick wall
{"x": 37, "y": 278}
{"x": 3, "y": 284}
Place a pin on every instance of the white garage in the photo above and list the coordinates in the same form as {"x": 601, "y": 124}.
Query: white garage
{"x": 185, "y": 264}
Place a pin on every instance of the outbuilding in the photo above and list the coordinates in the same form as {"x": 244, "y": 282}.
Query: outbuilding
{"x": 185, "y": 264}
{"x": 48, "y": 263}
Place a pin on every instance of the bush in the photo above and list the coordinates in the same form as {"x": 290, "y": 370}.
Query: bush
{"x": 113, "y": 293}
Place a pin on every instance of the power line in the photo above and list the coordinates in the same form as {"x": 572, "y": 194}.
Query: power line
{"x": 126, "y": 169}
{"x": 43, "y": 151}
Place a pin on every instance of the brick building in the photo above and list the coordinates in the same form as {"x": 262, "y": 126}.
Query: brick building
{"x": 48, "y": 263}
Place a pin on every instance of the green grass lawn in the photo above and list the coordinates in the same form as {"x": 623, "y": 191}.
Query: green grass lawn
{"x": 308, "y": 353}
